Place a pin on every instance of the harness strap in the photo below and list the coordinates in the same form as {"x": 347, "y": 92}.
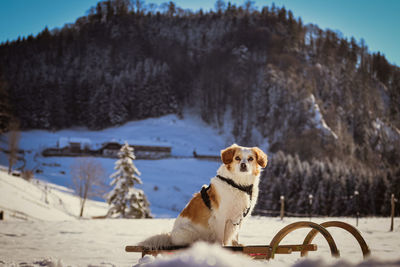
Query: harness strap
{"x": 246, "y": 212}
{"x": 205, "y": 196}
{"x": 248, "y": 189}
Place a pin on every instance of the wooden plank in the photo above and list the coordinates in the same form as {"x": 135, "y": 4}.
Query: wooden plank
{"x": 142, "y": 249}
{"x": 308, "y": 247}
{"x": 258, "y": 252}
{"x": 283, "y": 250}
{"x": 134, "y": 249}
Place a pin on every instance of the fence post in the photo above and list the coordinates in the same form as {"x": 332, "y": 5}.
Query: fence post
{"x": 356, "y": 206}
{"x": 282, "y": 207}
{"x": 393, "y": 203}
{"x": 1, "y": 215}
{"x": 310, "y": 199}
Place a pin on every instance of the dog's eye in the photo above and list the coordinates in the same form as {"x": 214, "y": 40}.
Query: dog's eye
{"x": 250, "y": 159}
{"x": 237, "y": 158}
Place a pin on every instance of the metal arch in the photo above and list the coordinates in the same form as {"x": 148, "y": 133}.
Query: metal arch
{"x": 303, "y": 224}
{"x": 349, "y": 228}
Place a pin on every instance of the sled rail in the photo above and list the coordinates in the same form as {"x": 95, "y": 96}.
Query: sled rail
{"x": 269, "y": 251}
{"x": 258, "y": 251}
{"x": 349, "y": 228}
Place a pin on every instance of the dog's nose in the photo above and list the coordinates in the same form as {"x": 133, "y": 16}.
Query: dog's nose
{"x": 243, "y": 165}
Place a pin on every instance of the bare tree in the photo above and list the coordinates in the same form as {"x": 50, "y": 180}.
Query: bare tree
{"x": 249, "y": 6}
{"x": 219, "y": 6}
{"x": 88, "y": 178}
{"x": 138, "y": 6}
{"x": 152, "y": 8}
{"x": 13, "y": 141}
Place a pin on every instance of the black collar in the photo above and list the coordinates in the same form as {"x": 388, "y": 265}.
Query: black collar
{"x": 248, "y": 189}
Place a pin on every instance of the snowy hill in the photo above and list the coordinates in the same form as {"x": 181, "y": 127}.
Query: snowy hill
{"x": 168, "y": 183}
{"x": 184, "y": 135}
{"x": 41, "y": 201}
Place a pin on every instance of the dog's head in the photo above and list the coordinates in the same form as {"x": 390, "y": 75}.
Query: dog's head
{"x": 244, "y": 160}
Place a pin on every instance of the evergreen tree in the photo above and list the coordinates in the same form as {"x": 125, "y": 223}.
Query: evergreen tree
{"x": 126, "y": 201}
{"x": 319, "y": 198}
{"x": 307, "y": 189}
{"x": 5, "y": 108}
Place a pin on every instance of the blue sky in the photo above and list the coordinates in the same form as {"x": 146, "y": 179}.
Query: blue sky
{"x": 376, "y": 21}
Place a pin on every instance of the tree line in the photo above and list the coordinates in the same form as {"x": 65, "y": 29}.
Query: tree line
{"x": 337, "y": 190}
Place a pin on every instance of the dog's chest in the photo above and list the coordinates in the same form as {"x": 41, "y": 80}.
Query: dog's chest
{"x": 234, "y": 203}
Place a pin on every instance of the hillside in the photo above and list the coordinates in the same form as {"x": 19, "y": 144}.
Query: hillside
{"x": 37, "y": 200}
{"x": 320, "y": 101}
{"x": 168, "y": 183}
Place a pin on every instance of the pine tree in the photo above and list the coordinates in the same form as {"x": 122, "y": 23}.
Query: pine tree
{"x": 5, "y": 108}
{"x": 126, "y": 201}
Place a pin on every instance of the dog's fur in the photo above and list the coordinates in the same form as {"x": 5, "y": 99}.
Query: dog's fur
{"x": 229, "y": 205}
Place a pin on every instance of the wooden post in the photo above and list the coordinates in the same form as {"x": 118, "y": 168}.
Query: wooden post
{"x": 356, "y": 205}
{"x": 1, "y": 215}
{"x": 392, "y": 202}
{"x": 282, "y": 207}
{"x": 310, "y": 200}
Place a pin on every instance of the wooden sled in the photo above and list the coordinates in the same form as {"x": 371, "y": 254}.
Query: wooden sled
{"x": 269, "y": 251}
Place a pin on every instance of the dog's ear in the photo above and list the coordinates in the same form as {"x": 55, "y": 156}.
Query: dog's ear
{"x": 261, "y": 157}
{"x": 228, "y": 153}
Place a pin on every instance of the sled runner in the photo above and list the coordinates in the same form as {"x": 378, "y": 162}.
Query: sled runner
{"x": 257, "y": 252}
{"x": 269, "y": 251}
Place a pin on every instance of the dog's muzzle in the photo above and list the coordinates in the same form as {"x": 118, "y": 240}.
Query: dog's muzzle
{"x": 243, "y": 167}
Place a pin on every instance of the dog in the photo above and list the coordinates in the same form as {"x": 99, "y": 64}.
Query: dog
{"x": 216, "y": 213}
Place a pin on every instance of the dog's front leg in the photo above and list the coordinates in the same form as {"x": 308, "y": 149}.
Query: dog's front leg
{"x": 219, "y": 230}
{"x": 230, "y": 232}
{"x": 235, "y": 240}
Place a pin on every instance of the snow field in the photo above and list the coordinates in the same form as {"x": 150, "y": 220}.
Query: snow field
{"x": 102, "y": 242}
{"x": 49, "y": 234}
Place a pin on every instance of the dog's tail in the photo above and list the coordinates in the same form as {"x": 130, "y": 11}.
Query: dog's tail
{"x": 157, "y": 241}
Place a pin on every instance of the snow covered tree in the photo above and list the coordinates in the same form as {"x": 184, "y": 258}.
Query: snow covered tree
{"x": 126, "y": 201}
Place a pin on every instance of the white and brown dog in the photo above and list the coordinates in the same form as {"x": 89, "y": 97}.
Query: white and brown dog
{"x": 216, "y": 213}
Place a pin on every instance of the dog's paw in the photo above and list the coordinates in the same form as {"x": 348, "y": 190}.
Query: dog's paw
{"x": 236, "y": 244}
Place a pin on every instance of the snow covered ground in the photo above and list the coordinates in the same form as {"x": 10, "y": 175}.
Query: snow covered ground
{"x": 37, "y": 200}
{"x": 102, "y": 242}
{"x": 42, "y": 229}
